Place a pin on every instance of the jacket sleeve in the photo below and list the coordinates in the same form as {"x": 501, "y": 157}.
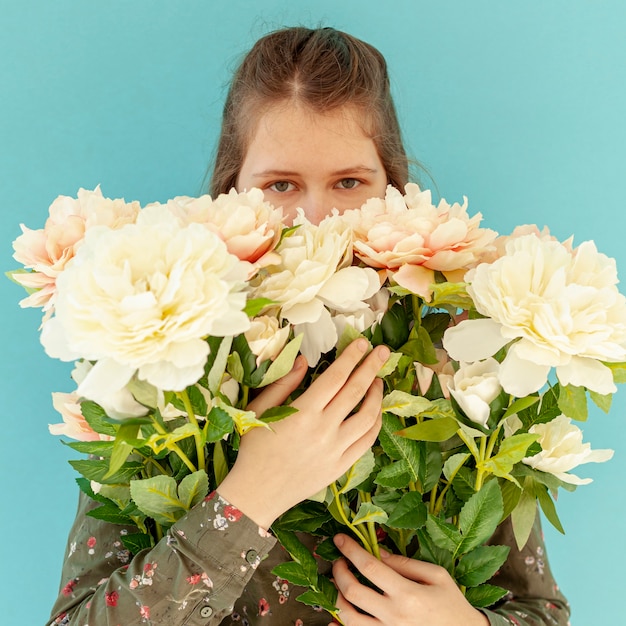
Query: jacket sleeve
{"x": 534, "y": 598}
{"x": 191, "y": 577}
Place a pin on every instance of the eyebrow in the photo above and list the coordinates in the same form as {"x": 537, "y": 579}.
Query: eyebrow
{"x": 357, "y": 169}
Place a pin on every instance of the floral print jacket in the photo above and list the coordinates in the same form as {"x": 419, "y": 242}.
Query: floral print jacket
{"x": 214, "y": 567}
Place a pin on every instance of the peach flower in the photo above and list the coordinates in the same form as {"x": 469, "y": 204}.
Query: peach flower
{"x": 47, "y": 251}
{"x": 412, "y": 239}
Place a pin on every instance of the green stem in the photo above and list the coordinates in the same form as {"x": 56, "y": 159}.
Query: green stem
{"x": 347, "y": 522}
{"x": 433, "y": 500}
{"x": 245, "y": 394}
{"x": 173, "y": 447}
{"x": 480, "y": 472}
{"x": 371, "y": 527}
{"x": 184, "y": 396}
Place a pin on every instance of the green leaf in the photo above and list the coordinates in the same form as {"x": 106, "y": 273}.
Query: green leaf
{"x": 218, "y": 424}
{"x": 404, "y": 404}
{"x": 123, "y": 446}
{"x": 159, "y": 442}
{"x": 317, "y": 598}
{"x": 398, "y": 475}
{"x": 137, "y": 542}
{"x": 198, "y": 401}
{"x": 548, "y": 507}
{"x": 463, "y": 483}
{"x": 255, "y": 305}
{"x": 523, "y": 517}
{"x": 305, "y": 517}
{"x": 96, "y": 417}
{"x": 220, "y": 465}
{"x": 479, "y": 565}
{"x": 420, "y": 348}
{"x": 436, "y": 323}
{"x": 234, "y": 366}
{"x": 510, "y": 497}
{"x": 619, "y": 372}
{"x": 573, "y": 402}
{"x": 512, "y": 450}
{"x": 431, "y": 452}
{"x": 328, "y": 551}
{"x": 369, "y": 512}
{"x": 157, "y": 498}
{"x": 432, "y": 553}
{"x": 395, "y": 326}
{"x": 359, "y": 472}
{"x": 399, "y": 448}
{"x": 110, "y": 513}
{"x": 390, "y": 365}
{"x": 292, "y": 572}
{"x": 454, "y": 464}
{"x": 603, "y": 402}
{"x": 119, "y": 494}
{"x": 452, "y": 294}
{"x": 283, "y": 363}
{"x": 519, "y": 405}
{"x": 410, "y": 513}
{"x": 484, "y": 595}
{"x": 431, "y": 430}
{"x": 216, "y": 373}
{"x": 480, "y": 516}
{"x": 96, "y": 469}
{"x": 348, "y": 335}
{"x": 193, "y": 488}
{"x": 277, "y": 413}
{"x": 298, "y": 552}
{"x": 97, "y": 448}
{"x": 445, "y": 536}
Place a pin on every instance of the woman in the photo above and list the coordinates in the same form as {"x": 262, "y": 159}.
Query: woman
{"x": 309, "y": 119}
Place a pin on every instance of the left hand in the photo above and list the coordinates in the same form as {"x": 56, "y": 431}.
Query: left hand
{"x": 413, "y": 592}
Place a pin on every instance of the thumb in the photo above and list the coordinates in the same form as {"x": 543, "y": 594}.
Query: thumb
{"x": 276, "y": 393}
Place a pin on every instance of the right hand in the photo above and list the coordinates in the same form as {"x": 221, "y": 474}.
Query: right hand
{"x": 305, "y": 452}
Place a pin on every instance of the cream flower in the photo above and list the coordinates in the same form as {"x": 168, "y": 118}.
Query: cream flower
{"x": 249, "y": 225}
{"x": 142, "y": 299}
{"x": 266, "y": 338}
{"x": 48, "y": 250}
{"x": 561, "y": 308}
{"x": 563, "y": 450}
{"x": 412, "y": 238}
{"x": 314, "y": 276}
{"x": 474, "y": 386}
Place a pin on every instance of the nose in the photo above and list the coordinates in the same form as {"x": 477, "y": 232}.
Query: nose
{"x": 316, "y": 205}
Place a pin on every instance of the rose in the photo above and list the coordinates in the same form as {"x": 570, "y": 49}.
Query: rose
{"x": 560, "y": 307}
{"x": 250, "y": 226}
{"x": 314, "y": 277}
{"x": 411, "y": 238}
{"x": 562, "y": 449}
{"x": 47, "y": 251}
{"x": 141, "y": 300}
{"x": 266, "y": 338}
{"x": 474, "y": 386}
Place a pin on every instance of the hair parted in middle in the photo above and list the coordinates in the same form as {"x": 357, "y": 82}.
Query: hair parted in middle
{"x": 322, "y": 69}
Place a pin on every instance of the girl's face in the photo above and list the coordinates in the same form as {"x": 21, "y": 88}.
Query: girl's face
{"x": 315, "y": 161}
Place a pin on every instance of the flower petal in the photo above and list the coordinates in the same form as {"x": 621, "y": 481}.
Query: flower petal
{"x": 520, "y": 377}
{"x": 588, "y": 373}
{"x": 474, "y": 340}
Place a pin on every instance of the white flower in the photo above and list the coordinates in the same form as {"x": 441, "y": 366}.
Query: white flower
{"x": 474, "y": 386}
{"x": 142, "y": 299}
{"x": 314, "y": 276}
{"x": 561, "y": 308}
{"x": 563, "y": 450}
{"x": 266, "y": 338}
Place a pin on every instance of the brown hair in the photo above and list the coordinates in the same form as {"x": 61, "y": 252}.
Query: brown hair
{"x": 321, "y": 68}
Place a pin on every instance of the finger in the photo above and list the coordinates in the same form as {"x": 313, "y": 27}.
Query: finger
{"x": 417, "y": 571}
{"x": 359, "y": 431}
{"x": 276, "y": 393}
{"x": 358, "y": 383}
{"x": 354, "y": 594}
{"x": 328, "y": 384}
{"x": 377, "y": 572}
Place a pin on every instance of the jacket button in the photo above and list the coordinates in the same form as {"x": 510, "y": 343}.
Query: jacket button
{"x": 206, "y": 611}
{"x": 252, "y": 556}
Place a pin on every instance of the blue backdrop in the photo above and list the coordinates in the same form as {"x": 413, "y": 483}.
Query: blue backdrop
{"x": 519, "y": 106}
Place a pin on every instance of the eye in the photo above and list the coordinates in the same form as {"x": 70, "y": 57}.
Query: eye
{"x": 282, "y": 186}
{"x": 348, "y": 183}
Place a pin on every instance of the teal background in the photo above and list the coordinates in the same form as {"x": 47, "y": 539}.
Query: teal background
{"x": 518, "y": 105}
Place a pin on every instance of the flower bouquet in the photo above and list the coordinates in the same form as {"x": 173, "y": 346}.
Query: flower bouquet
{"x": 177, "y": 314}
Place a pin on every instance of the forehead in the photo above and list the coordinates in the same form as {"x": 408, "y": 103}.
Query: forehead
{"x": 287, "y": 134}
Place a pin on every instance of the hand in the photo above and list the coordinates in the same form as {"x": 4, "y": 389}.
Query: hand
{"x": 413, "y": 592}
{"x": 305, "y": 452}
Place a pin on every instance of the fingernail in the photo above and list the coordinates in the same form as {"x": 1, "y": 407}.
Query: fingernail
{"x": 361, "y": 344}
{"x": 383, "y": 353}
{"x": 339, "y": 540}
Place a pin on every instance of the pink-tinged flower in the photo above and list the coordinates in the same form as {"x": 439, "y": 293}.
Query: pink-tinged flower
{"x": 443, "y": 368}
{"x": 74, "y": 424}
{"x": 411, "y": 238}
{"x": 249, "y": 226}
{"x": 111, "y": 598}
{"x": 264, "y": 607}
{"x": 47, "y": 251}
